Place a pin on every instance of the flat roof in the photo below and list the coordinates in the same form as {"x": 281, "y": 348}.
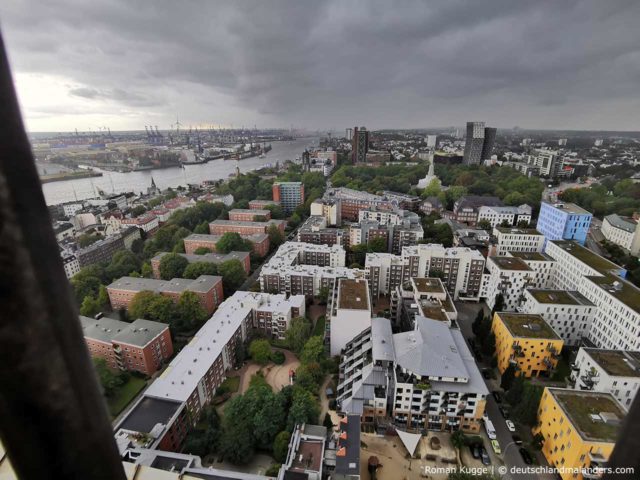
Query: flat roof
{"x": 562, "y": 297}
{"x": 245, "y": 223}
{"x": 616, "y": 362}
{"x": 353, "y": 294}
{"x": 534, "y": 256}
{"x": 429, "y": 285}
{"x": 211, "y": 257}
{"x": 624, "y": 291}
{"x": 571, "y": 208}
{"x": 518, "y": 231}
{"x": 586, "y": 256}
{"x": 579, "y": 406}
{"x": 205, "y": 237}
{"x": 510, "y": 263}
{"x": 148, "y": 413}
{"x": 527, "y": 325}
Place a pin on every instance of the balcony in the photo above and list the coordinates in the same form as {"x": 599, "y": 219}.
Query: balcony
{"x": 597, "y": 458}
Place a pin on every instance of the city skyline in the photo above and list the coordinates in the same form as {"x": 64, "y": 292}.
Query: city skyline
{"x": 328, "y": 65}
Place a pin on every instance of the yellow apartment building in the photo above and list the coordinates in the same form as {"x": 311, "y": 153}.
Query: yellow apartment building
{"x": 527, "y": 341}
{"x": 579, "y": 430}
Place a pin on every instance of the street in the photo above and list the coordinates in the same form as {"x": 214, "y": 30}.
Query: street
{"x": 510, "y": 451}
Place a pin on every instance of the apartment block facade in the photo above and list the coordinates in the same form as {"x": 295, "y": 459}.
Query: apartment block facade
{"x": 259, "y": 241}
{"x": 563, "y": 221}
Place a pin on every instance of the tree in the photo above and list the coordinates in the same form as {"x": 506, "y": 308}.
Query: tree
{"x": 138, "y": 210}
{"x": 232, "y": 241}
{"x": 172, "y": 265}
{"x": 147, "y": 270}
{"x": 87, "y": 281}
{"x": 313, "y": 350}
{"x": 269, "y": 420}
{"x": 489, "y": 346}
{"x": 202, "y": 250}
{"x": 508, "y": 377}
{"x": 233, "y": 275}
{"x": 109, "y": 380}
{"x": 526, "y": 411}
{"x": 484, "y": 224}
{"x": 87, "y": 239}
{"x": 281, "y": 446}
{"x": 514, "y": 394}
{"x": 377, "y": 244}
{"x": 122, "y": 264}
{"x": 152, "y": 306}
{"x": 304, "y": 408}
{"x": 458, "y": 439}
{"x": 202, "y": 228}
{"x": 189, "y": 312}
{"x": 323, "y": 295}
{"x": 275, "y": 236}
{"x": 309, "y": 376}
{"x": 298, "y": 333}
{"x": 260, "y": 351}
{"x": 498, "y": 305}
{"x": 475, "y": 326}
{"x": 194, "y": 270}
{"x": 237, "y": 442}
{"x": 89, "y": 307}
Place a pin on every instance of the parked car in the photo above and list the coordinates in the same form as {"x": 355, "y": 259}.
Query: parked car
{"x": 475, "y": 450}
{"x": 485, "y": 456}
{"x": 504, "y": 411}
{"x": 510, "y": 426}
{"x": 517, "y": 439}
{"x": 496, "y": 447}
{"x": 526, "y": 456}
{"x": 497, "y": 396}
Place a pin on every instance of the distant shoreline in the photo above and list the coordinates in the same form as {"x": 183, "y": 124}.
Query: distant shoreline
{"x": 60, "y": 177}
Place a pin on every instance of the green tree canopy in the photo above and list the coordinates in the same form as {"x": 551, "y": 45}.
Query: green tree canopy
{"x": 313, "y": 350}
{"x": 233, "y": 275}
{"x": 232, "y": 241}
{"x": 260, "y": 351}
{"x": 202, "y": 250}
{"x": 297, "y": 334}
{"x": 194, "y": 270}
{"x": 172, "y": 265}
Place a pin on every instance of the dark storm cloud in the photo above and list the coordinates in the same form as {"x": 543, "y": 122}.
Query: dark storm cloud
{"x": 335, "y": 63}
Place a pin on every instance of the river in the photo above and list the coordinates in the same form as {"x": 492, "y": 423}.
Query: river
{"x": 115, "y": 182}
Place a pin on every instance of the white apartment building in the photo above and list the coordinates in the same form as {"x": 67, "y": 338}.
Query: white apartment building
{"x": 350, "y": 312}
{"x": 71, "y": 265}
{"x": 498, "y": 215}
{"x": 616, "y": 323}
{"x": 608, "y": 371}
{"x": 459, "y": 267}
{"x": 622, "y": 231}
{"x": 569, "y": 313}
{"x": 517, "y": 240}
{"x": 299, "y": 268}
{"x": 510, "y": 276}
{"x": 423, "y": 379}
{"x": 329, "y": 209}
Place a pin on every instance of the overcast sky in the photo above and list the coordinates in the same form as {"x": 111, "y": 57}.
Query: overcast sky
{"x": 325, "y": 64}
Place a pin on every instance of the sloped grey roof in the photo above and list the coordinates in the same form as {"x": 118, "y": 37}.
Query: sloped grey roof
{"x": 430, "y": 350}
{"x": 382, "y": 339}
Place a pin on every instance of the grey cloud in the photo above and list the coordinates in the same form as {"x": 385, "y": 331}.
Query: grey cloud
{"x": 334, "y": 63}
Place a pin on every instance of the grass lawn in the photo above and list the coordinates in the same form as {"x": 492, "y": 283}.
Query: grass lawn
{"x": 562, "y": 371}
{"x": 124, "y": 395}
{"x": 318, "y": 329}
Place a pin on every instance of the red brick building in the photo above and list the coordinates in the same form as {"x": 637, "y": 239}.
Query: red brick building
{"x": 220, "y": 227}
{"x": 208, "y": 288}
{"x": 261, "y": 204}
{"x": 140, "y": 346}
{"x": 260, "y": 242}
{"x": 250, "y": 215}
